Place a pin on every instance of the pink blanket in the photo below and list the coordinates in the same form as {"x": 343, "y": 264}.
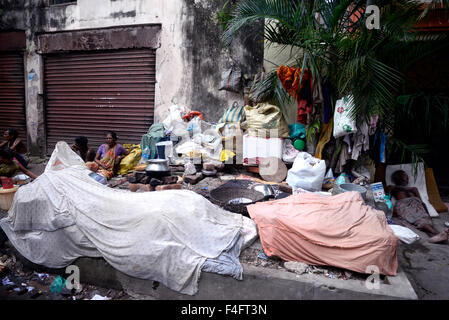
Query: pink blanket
{"x": 340, "y": 231}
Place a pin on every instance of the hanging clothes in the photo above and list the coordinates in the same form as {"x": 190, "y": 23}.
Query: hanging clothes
{"x": 343, "y": 157}
{"x": 317, "y": 102}
{"x": 327, "y": 102}
{"x": 377, "y": 151}
{"x": 383, "y": 141}
{"x": 348, "y": 141}
{"x": 302, "y": 93}
{"x": 325, "y": 137}
{"x": 361, "y": 141}
{"x": 153, "y": 136}
{"x": 373, "y": 125}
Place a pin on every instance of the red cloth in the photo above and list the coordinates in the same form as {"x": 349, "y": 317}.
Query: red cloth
{"x": 340, "y": 231}
{"x": 289, "y": 78}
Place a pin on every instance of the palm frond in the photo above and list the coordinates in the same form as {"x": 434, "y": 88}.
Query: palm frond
{"x": 413, "y": 154}
{"x": 282, "y": 12}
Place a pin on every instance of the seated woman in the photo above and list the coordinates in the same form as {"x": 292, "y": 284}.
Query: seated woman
{"x": 108, "y": 156}
{"x": 409, "y": 207}
{"x": 15, "y": 144}
{"x": 80, "y": 146}
{"x": 9, "y": 167}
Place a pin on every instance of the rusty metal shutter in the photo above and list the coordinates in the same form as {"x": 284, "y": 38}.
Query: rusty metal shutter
{"x": 12, "y": 93}
{"x": 89, "y": 93}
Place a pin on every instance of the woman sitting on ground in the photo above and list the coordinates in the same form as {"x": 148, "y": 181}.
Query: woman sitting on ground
{"x": 15, "y": 144}
{"x": 108, "y": 156}
{"x": 81, "y": 147}
{"x": 9, "y": 167}
{"x": 410, "y": 208}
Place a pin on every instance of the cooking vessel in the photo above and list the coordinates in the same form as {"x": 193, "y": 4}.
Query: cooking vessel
{"x": 157, "y": 168}
{"x": 223, "y": 196}
{"x": 347, "y": 187}
{"x": 265, "y": 189}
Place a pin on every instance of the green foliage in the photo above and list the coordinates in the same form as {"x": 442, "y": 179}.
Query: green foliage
{"x": 417, "y": 118}
{"x": 409, "y": 153}
{"x": 224, "y": 15}
{"x": 427, "y": 113}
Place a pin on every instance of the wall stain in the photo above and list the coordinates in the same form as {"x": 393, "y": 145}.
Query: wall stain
{"x": 128, "y": 14}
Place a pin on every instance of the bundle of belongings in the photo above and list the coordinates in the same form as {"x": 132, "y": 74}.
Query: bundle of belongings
{"x": 168, "y": 236}
{"x": 340, "y": 231}
{"x": 194, "y": 137}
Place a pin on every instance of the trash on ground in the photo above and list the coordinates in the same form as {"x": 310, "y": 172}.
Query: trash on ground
{"x": 98, "y": 297}
{"x": 404, "y": 234}
{"x": 262, "y": 255}
{"x": 297, "y": 267}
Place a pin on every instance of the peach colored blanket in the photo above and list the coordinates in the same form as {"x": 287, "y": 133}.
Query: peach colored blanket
{"x": 340, "y": 231}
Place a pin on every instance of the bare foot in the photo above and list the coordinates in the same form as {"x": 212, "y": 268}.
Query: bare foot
{"x": 441, "y": 237}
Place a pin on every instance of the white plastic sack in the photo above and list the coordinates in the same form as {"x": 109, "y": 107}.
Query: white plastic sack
{"x": 208, "y": 143}
{"x": 189, "y": 169}
{"x": 289, "y": 152}
{"x": 211, "y": 142}
{"x": 343, "y": 124}
{"x": 174, "y": 116}
{"x": 404, "y": 234}
{"x": 307, "y": 172}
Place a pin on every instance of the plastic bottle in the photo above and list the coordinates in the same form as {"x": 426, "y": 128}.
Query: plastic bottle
{"x": 389, "y": 204}
{"x": 145, "y": 155}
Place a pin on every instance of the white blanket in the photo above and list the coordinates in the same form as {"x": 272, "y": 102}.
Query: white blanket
{"x": 164, "y": 236}
{"x": 419, "y": 182}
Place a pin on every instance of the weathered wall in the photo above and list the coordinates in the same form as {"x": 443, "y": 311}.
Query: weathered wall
{"x": 189, "y": 61}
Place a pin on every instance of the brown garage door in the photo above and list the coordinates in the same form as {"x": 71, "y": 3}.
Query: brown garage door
{"x": 12, "y": 93}
{"x": 90, "y": 93}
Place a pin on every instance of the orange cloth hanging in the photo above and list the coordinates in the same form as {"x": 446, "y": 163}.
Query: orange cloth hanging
{"x": 290, "y": 78}
{"x": 192, "y": 114}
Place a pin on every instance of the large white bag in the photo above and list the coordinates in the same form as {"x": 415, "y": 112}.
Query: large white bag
{"x": 404, "y": 234}
{"x": 343, "y": 124}
{"x": 307, "y": 172}
{"x": 173, "y": 122}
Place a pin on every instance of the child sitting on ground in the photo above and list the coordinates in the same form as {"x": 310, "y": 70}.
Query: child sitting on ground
{"x": 9, "y": 167}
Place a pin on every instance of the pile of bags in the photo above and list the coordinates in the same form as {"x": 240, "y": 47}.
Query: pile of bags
{"x": 195, "y": 137}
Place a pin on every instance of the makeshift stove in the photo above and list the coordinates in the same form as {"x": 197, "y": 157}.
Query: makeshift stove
{"x": 157, "y": 176}
{"x": 236, "y": 195}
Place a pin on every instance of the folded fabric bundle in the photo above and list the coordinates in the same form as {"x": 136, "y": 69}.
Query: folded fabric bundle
{"x": 340, "y": 231}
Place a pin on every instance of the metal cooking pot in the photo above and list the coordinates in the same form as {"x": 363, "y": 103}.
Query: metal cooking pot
{"x": 157, "y": 168}
{"x": 265, "y": 189}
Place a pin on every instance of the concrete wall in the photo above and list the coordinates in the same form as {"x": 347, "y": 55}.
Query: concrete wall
{"x": 189, "y": 61}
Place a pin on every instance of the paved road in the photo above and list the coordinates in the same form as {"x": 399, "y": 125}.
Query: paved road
{"x": 427, "y": 264}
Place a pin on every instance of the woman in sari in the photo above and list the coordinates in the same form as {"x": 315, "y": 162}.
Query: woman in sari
{"x": 108, "y": 156}
{"x": 13, "y": 143}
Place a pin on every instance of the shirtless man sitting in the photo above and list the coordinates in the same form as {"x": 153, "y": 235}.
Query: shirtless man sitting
{"x": 81, "y": 147}
{"x": 409, "y": 207}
